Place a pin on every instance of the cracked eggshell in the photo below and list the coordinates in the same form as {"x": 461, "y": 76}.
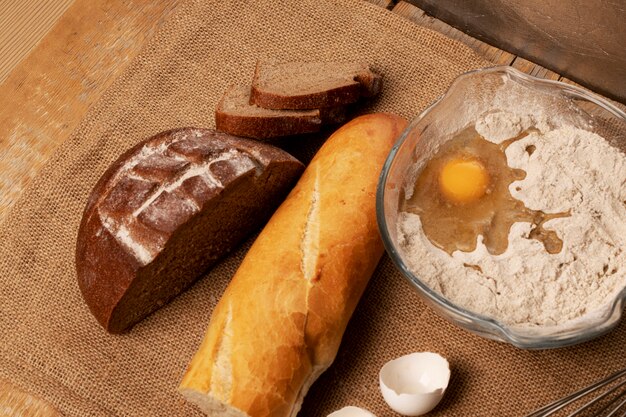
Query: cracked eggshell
{"x": 351, "y": 411}
{"x": 414, "y": 384}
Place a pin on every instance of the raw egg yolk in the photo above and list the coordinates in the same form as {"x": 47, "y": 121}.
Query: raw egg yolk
{"x": 463, "y": 180}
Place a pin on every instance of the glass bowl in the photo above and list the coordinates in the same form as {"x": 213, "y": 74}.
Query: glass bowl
{"x": 472, "y": 94}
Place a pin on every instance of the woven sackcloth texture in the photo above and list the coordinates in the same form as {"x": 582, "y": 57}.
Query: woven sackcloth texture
{"x": 52, "y": 346}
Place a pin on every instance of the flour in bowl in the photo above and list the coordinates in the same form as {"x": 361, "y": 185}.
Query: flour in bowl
{"x": 567, "y": 170}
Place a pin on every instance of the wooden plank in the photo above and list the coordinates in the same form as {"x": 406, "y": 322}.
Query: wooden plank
{"x": 23, "y": 23}
{"x": 581, "y": 39}
{"x": 534, "y": 69}
{"x": 419, "y": 17}
{"x": 49, "y": 92}
{"x": 489, "y": 52}
{"x": 617, "y": 104}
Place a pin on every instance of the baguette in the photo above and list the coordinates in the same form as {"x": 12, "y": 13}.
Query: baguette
{"x": 18, "y": 403}
{"x": 279, "y": 324}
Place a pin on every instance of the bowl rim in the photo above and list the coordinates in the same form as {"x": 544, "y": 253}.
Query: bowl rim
{"x": 506, "y": 333}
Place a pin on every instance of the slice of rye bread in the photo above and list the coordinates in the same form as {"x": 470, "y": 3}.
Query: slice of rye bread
{"x": 235, "y": 115}
{"x": 298, "y": 85}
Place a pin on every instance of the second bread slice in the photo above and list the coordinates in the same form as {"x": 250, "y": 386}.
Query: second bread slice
{"x": 298, "y": 85}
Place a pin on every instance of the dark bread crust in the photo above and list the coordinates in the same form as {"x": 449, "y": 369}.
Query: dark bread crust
{"x": 168, "y": 209}
{"x": 364, "y": 83}
{"x": 264, "y": 127}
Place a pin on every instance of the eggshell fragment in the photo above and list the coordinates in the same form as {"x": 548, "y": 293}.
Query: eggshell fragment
{"x": 351, "y": 411}
{"x": 414, "y": 384}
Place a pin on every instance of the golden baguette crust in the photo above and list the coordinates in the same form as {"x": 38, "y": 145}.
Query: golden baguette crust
{"x": 18, "y": 403}
{"x": 280, "y": 321}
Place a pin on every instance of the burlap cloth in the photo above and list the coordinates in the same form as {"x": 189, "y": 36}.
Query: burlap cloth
{"x": 52, "y": 346}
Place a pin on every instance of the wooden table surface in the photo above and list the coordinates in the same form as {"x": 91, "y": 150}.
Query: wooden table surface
{"x": 45, "y": 91}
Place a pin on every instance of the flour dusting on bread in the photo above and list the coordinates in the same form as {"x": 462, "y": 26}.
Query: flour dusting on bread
{"x": 311, "y": 237}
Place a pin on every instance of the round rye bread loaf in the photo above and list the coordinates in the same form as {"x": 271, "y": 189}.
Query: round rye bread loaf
{"x": 167, "y": 210}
